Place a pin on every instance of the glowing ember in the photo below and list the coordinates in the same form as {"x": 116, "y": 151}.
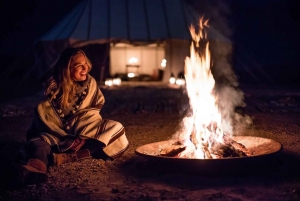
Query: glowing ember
{"x": 202, "y": 136}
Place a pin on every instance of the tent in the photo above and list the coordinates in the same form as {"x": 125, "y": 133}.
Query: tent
{"x": 94, "y": 25}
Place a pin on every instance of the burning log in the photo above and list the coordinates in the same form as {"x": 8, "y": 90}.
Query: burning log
{"x": 237, "y": 146}
{"x": 173, "y": 150}
{"x": 227, "y": 149}
{"x": 206, "y": 152}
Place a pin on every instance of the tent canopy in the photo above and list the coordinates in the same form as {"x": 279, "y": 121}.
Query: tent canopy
{"x": 129, "y": 21}
{"x": 103, "y": 21}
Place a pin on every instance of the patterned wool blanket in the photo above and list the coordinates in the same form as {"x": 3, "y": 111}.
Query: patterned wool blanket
{"x": 84, "y": 121}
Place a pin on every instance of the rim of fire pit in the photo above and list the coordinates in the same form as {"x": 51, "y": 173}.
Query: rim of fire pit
{"x": 258, "y": 145}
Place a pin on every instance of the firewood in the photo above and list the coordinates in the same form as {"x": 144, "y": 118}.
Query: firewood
{"x": 237, "y": 146}
{"x": 226, "y": 149}
{"x": 207, "y": 154}
{"x": 172, "y": 150}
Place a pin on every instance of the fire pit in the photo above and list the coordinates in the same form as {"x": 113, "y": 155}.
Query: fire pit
{"x": 264, "y": 158}
{"x": 205, "y": 139}
{"x": 257, "y": 145}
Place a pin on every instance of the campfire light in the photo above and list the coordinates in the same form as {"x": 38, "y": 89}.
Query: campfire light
{"x": 202, "y": 127}
{"x": 202, "y": 133}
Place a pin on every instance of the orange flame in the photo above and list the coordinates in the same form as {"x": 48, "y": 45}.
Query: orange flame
{"x": 204, "y": 125}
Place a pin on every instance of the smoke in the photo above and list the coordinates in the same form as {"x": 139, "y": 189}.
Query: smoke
{"x": 230, "y": 97}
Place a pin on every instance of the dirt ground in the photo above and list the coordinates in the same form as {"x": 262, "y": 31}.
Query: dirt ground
{"x": 152, "y": 114}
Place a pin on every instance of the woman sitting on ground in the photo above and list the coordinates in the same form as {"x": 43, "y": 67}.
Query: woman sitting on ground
{"x": 67, "y": 124}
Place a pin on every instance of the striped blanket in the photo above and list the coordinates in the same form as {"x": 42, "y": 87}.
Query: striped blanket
{"x": 84, "y": 122}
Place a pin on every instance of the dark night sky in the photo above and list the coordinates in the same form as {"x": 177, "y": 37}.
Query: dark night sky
{"x": 29, "y": 19}
{"x": 265, "y": 33}
{"x": 12, "y": 14}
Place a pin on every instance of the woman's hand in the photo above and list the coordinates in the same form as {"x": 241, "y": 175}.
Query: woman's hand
{"x": 78, "y": 143}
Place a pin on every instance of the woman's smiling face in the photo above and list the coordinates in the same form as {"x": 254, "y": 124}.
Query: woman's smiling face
{"x": 79, "y": 67}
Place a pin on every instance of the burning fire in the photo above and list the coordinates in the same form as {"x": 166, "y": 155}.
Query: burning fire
{"x": 202, "y": 136}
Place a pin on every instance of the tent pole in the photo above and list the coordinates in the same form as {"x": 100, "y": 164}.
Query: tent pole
{"x": 104, "y": 62}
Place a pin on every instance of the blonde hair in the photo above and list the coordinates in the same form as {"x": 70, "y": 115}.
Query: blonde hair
{"x": 60, "y": 80}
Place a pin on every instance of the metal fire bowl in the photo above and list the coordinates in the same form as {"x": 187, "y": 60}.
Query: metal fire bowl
{"x": 264, "y": 158}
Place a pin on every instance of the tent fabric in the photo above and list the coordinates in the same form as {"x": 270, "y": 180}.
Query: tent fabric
{"x": 104, "y": 20}
{"x": 129, "y": 21}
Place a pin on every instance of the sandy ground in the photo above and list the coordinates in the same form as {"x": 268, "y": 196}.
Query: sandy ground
{"x": 152, "y": 114}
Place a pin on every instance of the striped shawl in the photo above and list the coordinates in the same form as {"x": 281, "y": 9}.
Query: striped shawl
{"x": 85, "y": 123}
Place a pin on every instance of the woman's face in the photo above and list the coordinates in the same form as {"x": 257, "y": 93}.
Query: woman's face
{"x": 79, "y": 67}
